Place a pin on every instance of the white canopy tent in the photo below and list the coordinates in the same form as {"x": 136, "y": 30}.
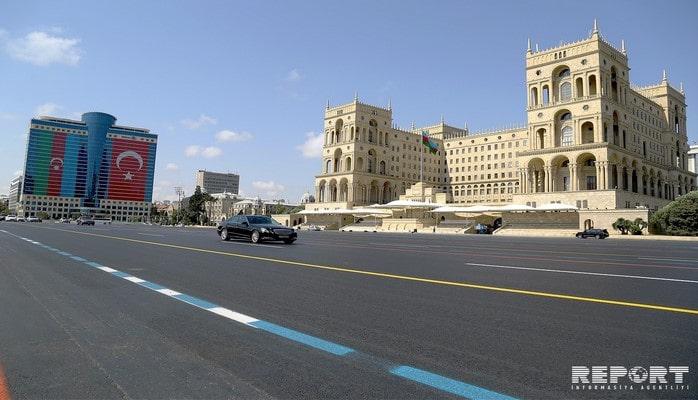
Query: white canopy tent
{"x": 556, "y": 207}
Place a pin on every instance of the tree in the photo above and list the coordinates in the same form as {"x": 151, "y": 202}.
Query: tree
{"x": 680, "y": 217}
{"x": 637, "y": 226}
{"x": 42, "y": 215}
{"x": 622, "y": 225}
{"x": 3, "y": 208}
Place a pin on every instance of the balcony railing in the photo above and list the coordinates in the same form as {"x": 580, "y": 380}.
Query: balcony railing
{"x": 562, "y": 102}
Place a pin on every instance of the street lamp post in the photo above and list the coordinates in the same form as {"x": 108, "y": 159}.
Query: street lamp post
{"x": 180, "y": 193}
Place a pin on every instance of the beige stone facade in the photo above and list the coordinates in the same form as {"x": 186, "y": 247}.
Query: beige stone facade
{"x": 592, "y": 140}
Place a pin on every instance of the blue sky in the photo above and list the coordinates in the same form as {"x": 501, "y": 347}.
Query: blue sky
{"x": 241, "y": 86}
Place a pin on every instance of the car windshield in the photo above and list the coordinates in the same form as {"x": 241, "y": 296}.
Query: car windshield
{"x": 260, "y": 220}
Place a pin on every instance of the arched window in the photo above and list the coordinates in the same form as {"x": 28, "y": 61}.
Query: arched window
{"x": 564, "y": 73}
{"x": 566, "y": 117}
{"x": 567, "y": 136}
{"x": 382, "y": 168}
{"x": 592, "y": 85}
{"x": 328, "y": 166}
{"x": 534, "y": 96}
{"x": 565, "y": 91}
{"x": 546, "y": 95}
{"x": 580, "y": 87}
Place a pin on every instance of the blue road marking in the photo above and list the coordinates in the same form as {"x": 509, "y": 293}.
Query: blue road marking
{"x": 94, "y": 264}
{"x": 308, "y": 340}
{"x": 447, "y": 384}
{"x": 195, "y": 301}
{"x": 63, "y": 253}
{"x": 76, "y": 258}
{"x": 120, "y": 274}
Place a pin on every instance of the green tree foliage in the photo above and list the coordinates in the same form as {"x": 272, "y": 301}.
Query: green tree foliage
{"x": 637, "y": 226}
{"x": 622, "y": 225}
{"x": 680, "y": 217}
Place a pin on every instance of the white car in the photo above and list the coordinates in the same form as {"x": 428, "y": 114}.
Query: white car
{"x": 33, "y": 219}
{"x": 21, "y": 219}
{"x": 11, "y": 218}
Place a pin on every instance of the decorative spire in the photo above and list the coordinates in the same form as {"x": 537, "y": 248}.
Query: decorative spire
{"x": 442, "y": 119}
{"x": 536, "y": 47}
{"x": 528, "y": 50}
{"x": 390, "y": 104}
{"x": 664, "y": 77}
{"x": 681, "y": 88}
{"x": 465, "y": 127}
{"x": 622, "y": 46}
{"x": 413, "y": 128}
{"x": 595, "y": 30}
{"x": 328, "y": 104}
{"x": 356, "y": 96}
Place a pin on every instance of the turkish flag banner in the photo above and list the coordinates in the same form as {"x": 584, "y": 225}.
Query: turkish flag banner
{"x": 129, "y": 170}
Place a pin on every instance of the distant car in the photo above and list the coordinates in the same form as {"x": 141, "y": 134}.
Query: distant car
{"x": 255, "y": 228}
{"x": 33, "y": 219}
{"x": 86, "y": 221}
{"x": 314, "y": 228}
{"x": 11, "y": 218}
{"x": 20, "y": 219}
{"x": 2, "y": 217}
{"x": 64, "y": 220}
{"x": 595, "y": 233}
{"x": 484, "y": 229}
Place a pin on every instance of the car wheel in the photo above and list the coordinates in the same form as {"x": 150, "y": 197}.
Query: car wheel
{"x": 578, "y": 236}
{"x": 254, "y": 237}
{"x": 598, "y": 236}
{"x": 224, "y": 235}
{"x": 289, "y": 241}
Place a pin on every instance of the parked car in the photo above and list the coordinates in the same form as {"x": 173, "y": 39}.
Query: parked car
{"x": 85, "y": 221}
{"x": 255, "y": 228}
{"x": 64, "y": 220}
{"x": 314, "y": 228}
{"x": 2, "y": 217}
{"x": 33, "y": 219}
{"x": 595, "y": 233}
{"x": 11, "y": 218}
{"x": 20, "y": 219}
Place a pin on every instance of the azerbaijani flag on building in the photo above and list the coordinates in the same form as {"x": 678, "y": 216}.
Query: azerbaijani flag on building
{"x": 431, "y": 145}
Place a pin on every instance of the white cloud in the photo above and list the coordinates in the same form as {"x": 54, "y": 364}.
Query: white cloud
{"x": 270, "y": 188}
{"x": 208, "y": 152}
{"x": 312, "y": 147}
{"x": 199, "y": 122}
{"x": 171, "y": 167}
{"x": 293, "y": 76}
{"x": 47, "y": 109}
{"x": 192, "y": 151}
{"x": 230, "y": 136}
{"x": 41, "y": 48}
{"x": 211, "y": 152}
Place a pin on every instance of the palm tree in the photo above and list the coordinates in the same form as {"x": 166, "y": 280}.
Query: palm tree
{"x": 622, "y": 225}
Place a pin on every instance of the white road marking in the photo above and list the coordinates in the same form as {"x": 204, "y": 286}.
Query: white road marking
{"x": 235, "y": 316}
{"x": 134, "y": 279}
{"x": 107, "y": 269}
{"x": 654, "y": 278}
{"x": 668, "y": 259}
{"x": 168, "y": 292}
{"x": 150, "y": 234}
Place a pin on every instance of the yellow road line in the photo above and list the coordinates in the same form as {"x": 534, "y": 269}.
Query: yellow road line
{"x": 404, "y": 277}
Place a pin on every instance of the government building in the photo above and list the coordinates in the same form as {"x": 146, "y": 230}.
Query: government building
{"x": 88, "y": 167}
{"x": 592, "y": 140}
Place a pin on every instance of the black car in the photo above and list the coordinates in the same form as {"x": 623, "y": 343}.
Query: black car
{"x": 256, "y": 228}
{"x": 86, "y": 221}
{"x": 595, "y": 233}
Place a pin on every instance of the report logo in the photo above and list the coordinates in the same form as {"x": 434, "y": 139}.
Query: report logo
{"x": 618, "y": 377}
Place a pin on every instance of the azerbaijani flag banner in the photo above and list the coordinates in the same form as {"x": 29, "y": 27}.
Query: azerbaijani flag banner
{"x": 426, "y": 140}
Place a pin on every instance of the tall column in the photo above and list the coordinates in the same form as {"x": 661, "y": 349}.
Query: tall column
{"x": 546, "y": 182}
{"x": 619, "y": 178}
{"x": 573, "y": 177}
{"x": 640, "y": 186}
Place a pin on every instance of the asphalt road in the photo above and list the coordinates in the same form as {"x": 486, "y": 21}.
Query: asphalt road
{"x": 135, "y": 311}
